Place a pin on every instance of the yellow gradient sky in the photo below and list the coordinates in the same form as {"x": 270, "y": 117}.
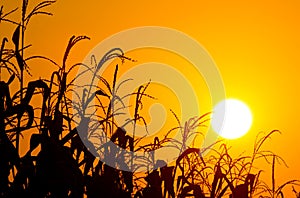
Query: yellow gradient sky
{"x": 255, "y": 44}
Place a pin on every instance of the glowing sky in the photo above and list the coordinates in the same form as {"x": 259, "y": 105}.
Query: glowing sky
{"x": 255, "y": 45}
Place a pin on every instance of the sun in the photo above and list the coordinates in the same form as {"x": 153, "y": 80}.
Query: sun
{"x": 231, "y": 118}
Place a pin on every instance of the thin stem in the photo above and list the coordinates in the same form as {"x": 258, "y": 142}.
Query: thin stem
{"x": 22, "y": 74}
{"x": 273, "y": 177}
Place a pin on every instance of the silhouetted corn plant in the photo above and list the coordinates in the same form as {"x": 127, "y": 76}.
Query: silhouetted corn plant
{"x": 274, "y": 191}
{"x": 60, "y": 170}
{"x": 18, "y": 39}
{"x": 189, "y": 131}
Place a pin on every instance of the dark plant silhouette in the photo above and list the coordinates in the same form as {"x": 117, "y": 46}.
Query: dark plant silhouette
{"x": 63, "y": 161}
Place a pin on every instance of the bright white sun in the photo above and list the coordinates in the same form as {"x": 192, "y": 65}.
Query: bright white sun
{"x": 231, "y": 118}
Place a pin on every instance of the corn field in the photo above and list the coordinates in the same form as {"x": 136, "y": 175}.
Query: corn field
{"x": 59, "y": 164}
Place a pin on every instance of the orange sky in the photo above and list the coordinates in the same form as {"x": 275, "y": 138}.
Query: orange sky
{"x": 255, "y": 45}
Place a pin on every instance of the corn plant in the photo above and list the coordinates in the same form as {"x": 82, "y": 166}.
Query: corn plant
{"x": 66, "y": 165}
